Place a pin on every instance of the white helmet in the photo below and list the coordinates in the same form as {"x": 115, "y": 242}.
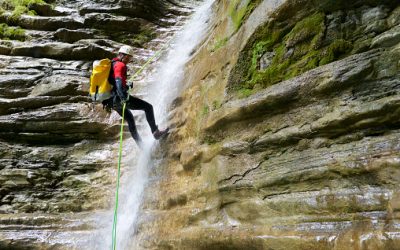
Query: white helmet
{"x": 128, "y": 50}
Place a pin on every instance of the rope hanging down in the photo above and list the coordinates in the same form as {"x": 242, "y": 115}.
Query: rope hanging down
{"x": 114, "y": 228}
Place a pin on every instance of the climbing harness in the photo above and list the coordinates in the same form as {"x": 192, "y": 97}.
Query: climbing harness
{"x": 114, "y": 228}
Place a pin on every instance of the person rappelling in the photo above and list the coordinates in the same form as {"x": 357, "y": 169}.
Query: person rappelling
{"x": 116, "y": 95}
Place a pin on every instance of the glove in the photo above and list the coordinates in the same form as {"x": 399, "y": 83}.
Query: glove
{"x": 107, "y": 105}
{"x": 130, "y": 84}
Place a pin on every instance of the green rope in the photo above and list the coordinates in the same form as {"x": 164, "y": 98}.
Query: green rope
{"x": 114, "y": 229}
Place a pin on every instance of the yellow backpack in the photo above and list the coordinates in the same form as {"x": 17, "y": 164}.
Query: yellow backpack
{"x": 100, "y": 86}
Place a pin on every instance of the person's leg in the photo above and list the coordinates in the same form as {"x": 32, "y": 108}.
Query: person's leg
{"x": 138, "y": 104}
{"x": 131, "y": 124}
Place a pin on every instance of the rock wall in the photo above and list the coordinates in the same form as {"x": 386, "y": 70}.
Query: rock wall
{"x": 57, "y": 150}
{"x": 286, "y": 133}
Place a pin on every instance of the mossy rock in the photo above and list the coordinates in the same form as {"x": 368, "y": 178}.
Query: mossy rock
{"x": 219, "y": 44}
{"x": 334, "y": 51}
{"x": 19, "y": 7}
{"x": 299, "y": 44}
{"x": 295, "y": 52}
{"x": 44, "y": 9}
{"x": 240, "y": 10}
{"x": 11, "y": 33}
{"x": 310, "y": 28}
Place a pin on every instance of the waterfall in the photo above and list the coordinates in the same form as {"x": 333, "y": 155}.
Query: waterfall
{"x": 168, "y": 78}
{"x": 163, "y": 87}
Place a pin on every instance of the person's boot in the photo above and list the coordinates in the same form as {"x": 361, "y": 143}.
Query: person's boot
{"x": 158, "y": 134}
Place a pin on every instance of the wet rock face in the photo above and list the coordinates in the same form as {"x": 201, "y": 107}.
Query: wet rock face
{"x": 118, "y": 20}
{"x": 52, "y": 179}
{"x": 47, "y": 102}
{"x": 306, "y": 161}
{"x": 57, "y": 151}
{"x": 44, "y": 102}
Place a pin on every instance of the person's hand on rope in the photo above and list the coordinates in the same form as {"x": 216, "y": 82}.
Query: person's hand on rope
{"x": 121, "y": 92}
{"x": 124, "y": 99}
{"x": 129, "y": 84}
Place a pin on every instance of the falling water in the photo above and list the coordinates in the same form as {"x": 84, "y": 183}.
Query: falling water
{"x": 168, "y": 79}
{"x": 164, "y": 87}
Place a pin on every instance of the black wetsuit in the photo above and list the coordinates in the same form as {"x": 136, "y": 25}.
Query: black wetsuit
{"x": 135, "y": 104}
{"x": 120, "y": 92}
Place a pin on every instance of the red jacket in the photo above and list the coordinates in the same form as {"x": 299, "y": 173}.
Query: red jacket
{"x": 120, "y": 71}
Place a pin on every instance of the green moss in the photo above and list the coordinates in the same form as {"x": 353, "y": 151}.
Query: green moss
{"x": 273, "y": 74}
{"x": 245, "y": 92}
{"x": 12, "y": 33}
{"x": 239, "y": 10}
{"x": 335, "y": 50}
{"x": 20, "y": 10}
{"x": 310, "y": 28}
{"x": 216, "y": 105}
{"x": 307, "y": 61}
{"x": 208, "y": 140}
{"x": 296, "y": 50}
{"x": 259, "y": 49}
{"x": 19, "y": 7}
{"x": 290, "y": 46}
{"x": 144, "y": 36}
{"x": 236, "y": 13}
{"x": 219, "y": 44}
{"x": 205, "y": 110}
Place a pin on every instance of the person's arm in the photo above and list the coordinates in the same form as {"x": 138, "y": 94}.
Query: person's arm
{"x": 119, "y": 70}
{"x": 123, "y": 95}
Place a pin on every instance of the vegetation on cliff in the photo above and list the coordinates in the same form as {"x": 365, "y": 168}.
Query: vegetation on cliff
{"x": 298, "y": 51}
{"x": 13, "y": 33}
{"x": 19, "y": 7}
{"x": 238, "y": 12}
{"x": 282, "y": 49}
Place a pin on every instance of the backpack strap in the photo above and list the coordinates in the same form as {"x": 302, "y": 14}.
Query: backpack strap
{"x": 111, "y": 79}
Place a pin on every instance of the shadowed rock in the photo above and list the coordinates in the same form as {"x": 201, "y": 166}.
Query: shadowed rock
{"x": 56, "y": 148}
{"x": 71, "y": 36}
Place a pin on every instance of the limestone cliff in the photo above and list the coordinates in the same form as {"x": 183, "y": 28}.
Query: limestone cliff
{"x": 57, "y": 150}
{"x": 286, "y": 133}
